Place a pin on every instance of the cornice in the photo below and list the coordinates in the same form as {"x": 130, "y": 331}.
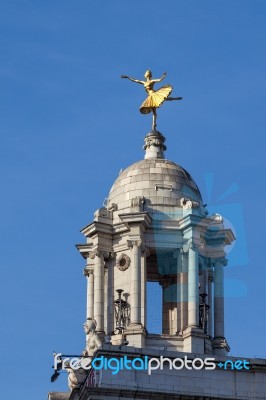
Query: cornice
{"x": 97, "y": 227}
{"x": 139, "y": 218}
{"x": 89, "y": 251}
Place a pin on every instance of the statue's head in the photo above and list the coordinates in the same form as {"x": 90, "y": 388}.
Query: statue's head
{"x": 89, "y": 325}
{"x": 148, "y": 74}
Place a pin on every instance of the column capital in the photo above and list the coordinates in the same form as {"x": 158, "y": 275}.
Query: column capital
{"x": 203, "y": 262}
{"x": 92, "y": 254}
{"x": 218, "y": 262}
{"x": 189, "y": 245}
{"x": 145, "y": 249}
{"x": 100, "y": 253}
{"x": 134, "y": 242}
{"x": 87, "y": 271}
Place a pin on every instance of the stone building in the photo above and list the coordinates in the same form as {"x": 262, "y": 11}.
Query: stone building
{"x": 155, "y": 228}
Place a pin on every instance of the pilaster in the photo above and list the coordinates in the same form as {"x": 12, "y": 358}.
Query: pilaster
{"x": 88, "y": 273}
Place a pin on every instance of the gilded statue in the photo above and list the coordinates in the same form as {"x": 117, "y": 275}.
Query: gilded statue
{"x": 155, "y": 97}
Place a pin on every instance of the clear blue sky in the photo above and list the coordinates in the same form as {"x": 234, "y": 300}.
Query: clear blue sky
{"x": 68, "y": 124}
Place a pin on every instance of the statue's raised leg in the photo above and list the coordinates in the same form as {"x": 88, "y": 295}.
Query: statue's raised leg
{"x": 174, "y": 98}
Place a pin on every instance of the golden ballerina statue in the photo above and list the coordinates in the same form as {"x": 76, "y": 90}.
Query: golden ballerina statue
{"x": 155, "y": 97}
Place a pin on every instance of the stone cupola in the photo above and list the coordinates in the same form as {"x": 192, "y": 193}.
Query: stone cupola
{"x": 155, "y": 228}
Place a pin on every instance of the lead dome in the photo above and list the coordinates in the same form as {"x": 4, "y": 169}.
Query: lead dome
{"x": 159, "y": 183}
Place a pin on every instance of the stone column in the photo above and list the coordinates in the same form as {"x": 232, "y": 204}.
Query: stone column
{"x": 110, "y": 296}
{"x": 135, "y": 285}
{"x": 90, "y": 292}
{"x": 99, "y": 291}
{"x": 143, "y": 296}
{"x": 203, "y": 276}
{"x": 193, "y": 287}
{"x": 182, "y": 292}
{"x": 219, "y": 299}
{"x": 177, "y": 255}
{"x": 105, "y": 300}
{"x": 210, "y": 303}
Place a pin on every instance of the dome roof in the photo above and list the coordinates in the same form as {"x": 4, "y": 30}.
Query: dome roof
{"x": 161, "y": 182}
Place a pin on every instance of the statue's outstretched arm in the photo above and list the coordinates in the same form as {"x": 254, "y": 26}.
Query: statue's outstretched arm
{"x": 132, "y": 79}
{"x": 160, "y": 79}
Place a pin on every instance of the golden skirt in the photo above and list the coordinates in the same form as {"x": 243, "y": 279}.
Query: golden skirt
{"x": 155, "y": 99}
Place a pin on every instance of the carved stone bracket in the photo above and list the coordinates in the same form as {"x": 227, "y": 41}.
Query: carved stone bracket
{"x": 102, "y": 212}
{"x": 137, "y": 201}
{"x": 216, "y": 218}
{"x": 188, "y": 204}
{"x": 112, "y": 207}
